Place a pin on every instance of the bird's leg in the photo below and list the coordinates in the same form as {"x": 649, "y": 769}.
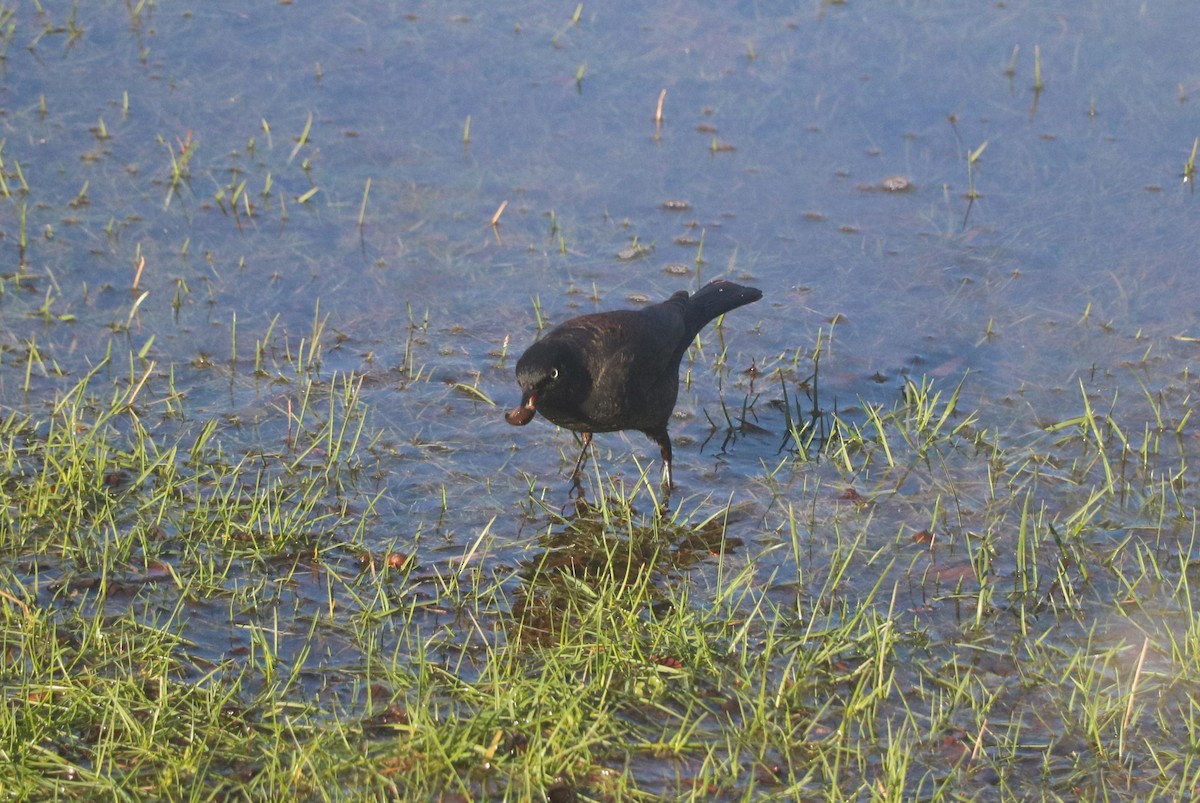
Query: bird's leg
{"x": 577, "y": 473}
{"x": 664, "y": 444}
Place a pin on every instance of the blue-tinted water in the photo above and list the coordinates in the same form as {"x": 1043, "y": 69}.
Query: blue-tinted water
{"x": 183, "y": 136}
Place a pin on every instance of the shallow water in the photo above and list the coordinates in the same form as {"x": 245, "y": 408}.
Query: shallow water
{"x": 1074, "y": 262}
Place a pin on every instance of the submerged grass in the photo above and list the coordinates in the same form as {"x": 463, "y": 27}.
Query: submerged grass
{"x": 186, "y": 614}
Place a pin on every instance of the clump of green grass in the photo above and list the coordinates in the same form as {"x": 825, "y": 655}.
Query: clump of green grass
{"x": 181, "y": 158}
{"x": 1189, "y": 168}
{"x": 114, "y": 528}
{"x": 907, "y": 599}
{"x": 1062, "y": 543}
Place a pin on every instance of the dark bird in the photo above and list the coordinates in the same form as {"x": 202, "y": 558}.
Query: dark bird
{"x": 610, "y": 371}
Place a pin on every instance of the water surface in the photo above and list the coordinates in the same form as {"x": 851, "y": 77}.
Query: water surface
{"x": 294, "y": 172}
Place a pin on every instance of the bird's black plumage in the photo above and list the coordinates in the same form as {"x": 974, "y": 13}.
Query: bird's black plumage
{"x": 611, "y": 371}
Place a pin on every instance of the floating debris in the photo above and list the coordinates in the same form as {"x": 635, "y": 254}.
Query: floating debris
{"x": 896, "y": 184}
{"x": 635, "y": 251}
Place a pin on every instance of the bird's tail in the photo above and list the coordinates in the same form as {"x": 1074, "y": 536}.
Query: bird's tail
{"x": 713, "y": 299}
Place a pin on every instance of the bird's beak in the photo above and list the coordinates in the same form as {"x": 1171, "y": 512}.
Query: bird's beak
{"x": 522, "y": 414}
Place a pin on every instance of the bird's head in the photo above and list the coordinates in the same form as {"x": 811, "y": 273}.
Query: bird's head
{"x": 551, "y": 372}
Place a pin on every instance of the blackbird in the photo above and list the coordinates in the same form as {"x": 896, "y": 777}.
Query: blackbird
{"x": 610, "y": 371}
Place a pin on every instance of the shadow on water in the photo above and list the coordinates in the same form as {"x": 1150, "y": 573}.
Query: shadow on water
{"x": 609, "y": 545}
